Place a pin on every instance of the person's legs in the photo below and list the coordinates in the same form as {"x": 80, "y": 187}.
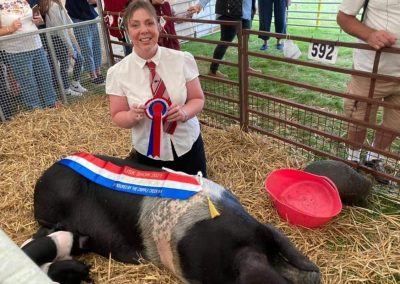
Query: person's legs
{"x": 390, "y": 92}
{"x": 228, "y": 33}
{"x": 356, "y": 109}
{"x": 75, "y": 83}
{"x": 22, "y": 67}
{"x": 43, "y": 77}
{"x": 5, "y": 96}
{"x": 265, "y": 18}
{"x": 77, "y": 71}
{"x": 246, "y": 24}
{"x": 84, "y": 38}
{"x": 62, "y": 57}
{"x": 96, "y": 48}
{"x": 48, "y": 53}
{"x": 391, "y": 117}
{"x": 280, "y": 19}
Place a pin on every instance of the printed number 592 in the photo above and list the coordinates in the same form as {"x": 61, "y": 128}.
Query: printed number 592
{"x": 323, "y": 52}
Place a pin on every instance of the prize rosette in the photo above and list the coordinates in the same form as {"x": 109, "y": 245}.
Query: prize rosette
{"x": 157, "y": 109}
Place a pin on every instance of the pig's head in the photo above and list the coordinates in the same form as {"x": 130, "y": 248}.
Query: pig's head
{"x": 277, "y": 262}
{"x": 240, "y": 250}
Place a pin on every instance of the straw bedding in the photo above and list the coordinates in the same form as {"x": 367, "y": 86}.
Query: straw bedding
{"x": 357, "y": 246}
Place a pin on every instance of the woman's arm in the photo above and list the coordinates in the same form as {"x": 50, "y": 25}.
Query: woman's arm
{"x": 194, "y": 103}
{"x": 123, "y": 115}
{"x": 8, "y": 30}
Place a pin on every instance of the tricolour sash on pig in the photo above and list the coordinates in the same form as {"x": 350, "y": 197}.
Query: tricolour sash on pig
{"x": 126, "y": 179}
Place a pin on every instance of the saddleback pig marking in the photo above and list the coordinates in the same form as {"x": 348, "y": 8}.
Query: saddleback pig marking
{"x": 181, "y": 235}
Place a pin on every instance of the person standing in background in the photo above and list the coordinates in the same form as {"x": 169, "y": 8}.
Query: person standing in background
{"x": 163, "y": 8}
{"x": 227, "y": 10}
{"x": 5, "y": 96}
{"x": 265, "y": 8}
{"x": 65, "y": 45}
{"x": 116, "y": 21}
{"x": 87, "y": 36}
{"x": 25, "y": 55}
{"x": 379, "y": 29}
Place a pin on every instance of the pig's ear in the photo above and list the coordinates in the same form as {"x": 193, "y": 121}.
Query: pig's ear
{"x": 287, "y": 250}
{"x": 286, "y": 259}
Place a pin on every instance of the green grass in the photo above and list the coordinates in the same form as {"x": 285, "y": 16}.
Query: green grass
{"x": 316, "y": 77}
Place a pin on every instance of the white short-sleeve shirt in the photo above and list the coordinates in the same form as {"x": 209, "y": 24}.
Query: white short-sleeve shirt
{"x": 131, "y": 78}
{"x": 11, "y": 10}
{"x": 380, "y": 15}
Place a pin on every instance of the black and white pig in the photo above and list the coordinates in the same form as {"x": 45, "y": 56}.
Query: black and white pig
{"x": 179, "y": 234}
{"x": 51, "y": 250}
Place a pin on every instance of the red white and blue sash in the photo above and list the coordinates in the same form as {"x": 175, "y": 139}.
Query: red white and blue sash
{"x": 130, "y": 180}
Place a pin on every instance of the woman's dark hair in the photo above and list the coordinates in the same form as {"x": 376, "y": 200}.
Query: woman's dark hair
{"x": 135, "y": 5}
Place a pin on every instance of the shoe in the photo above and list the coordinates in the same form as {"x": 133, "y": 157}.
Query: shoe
{"x": 72, "y": 93}
{"x": 101, "y": 77}
{"x": 279, "y": 46}
{"x": 264, "y": 47}
{"x": 77, "y": 87}
{"x": 98, "y": 81}
{"x": 377, "y": 165}
{"x": 255, "y": 70}
{"x": 218, "y": 74}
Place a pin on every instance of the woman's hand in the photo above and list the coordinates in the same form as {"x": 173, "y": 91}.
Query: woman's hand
{"x": 176, "y": 113}
{"x": 193, "y": 9}
{"x": 37, "y": 19}
{"x": 15, "y": 25}
{"x": 136, "y": 113}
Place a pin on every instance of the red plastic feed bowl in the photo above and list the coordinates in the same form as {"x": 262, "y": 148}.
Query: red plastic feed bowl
{"x": 303, "y": 199}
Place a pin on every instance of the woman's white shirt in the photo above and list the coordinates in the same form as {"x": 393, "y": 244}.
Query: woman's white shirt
{"x": 11, "y": 10}
{"x": 131, "y": 78}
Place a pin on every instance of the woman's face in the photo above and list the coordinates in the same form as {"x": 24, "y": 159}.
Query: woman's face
{"x": 143, "y": 32}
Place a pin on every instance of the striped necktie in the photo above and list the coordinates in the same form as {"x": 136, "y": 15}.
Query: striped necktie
{"x": 160, "y": 91}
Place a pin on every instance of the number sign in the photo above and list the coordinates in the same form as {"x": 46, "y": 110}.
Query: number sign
{"x": 323, "y": 52}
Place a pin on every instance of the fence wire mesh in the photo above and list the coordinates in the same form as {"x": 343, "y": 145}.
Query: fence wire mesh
{"x": 50, "y": 67}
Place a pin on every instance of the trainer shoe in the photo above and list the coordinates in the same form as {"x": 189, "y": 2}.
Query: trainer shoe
{"x": 72, "y": 93}
{"x": 101, "y": 77}
{"x": 377, "y": 165}
{"x": 98, "y": 81}
{"x": 77, "y": 87}
{"x": 264, "y": 47}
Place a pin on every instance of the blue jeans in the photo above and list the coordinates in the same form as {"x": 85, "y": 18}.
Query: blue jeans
{"x": 32, "y": 72}
{"x": 5, "y": 97}
{"x": 89, "y": 42}
{"x": 61, "y": 50}
{"x": 265, "y": 15}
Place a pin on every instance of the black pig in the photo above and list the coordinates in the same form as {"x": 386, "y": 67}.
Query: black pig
{"x": 179, "y": 234}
